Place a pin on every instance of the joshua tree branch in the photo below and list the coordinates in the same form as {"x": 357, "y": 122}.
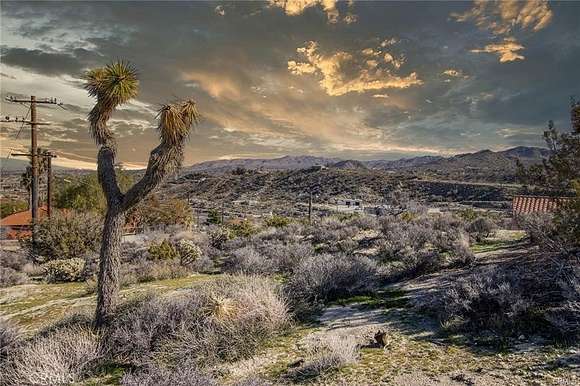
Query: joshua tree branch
{"x": 164, "y": 159}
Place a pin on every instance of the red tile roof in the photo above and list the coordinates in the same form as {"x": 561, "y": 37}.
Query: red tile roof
{"x": 22, "y": 218}
{"x": 537, "y": 204}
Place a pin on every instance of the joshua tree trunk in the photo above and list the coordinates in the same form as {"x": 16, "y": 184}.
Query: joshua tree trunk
{"x": 109, "y": 281}
{"x": 112, "y": 86}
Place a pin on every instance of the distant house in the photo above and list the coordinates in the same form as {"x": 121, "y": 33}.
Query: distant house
{"x": 537, "y": 204}
{"x": 18, "y": 225}
{"x": 349, "y": 204}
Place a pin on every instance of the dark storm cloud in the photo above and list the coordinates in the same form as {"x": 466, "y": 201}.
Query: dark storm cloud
{"x": 235, "y": 63}
{"x": 41, "y": 62}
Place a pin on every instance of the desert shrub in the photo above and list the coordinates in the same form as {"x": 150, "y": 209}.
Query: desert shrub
{"x": 286, "y": 256}
{"x": 225, "y": 319}
{"x": 188, "y": 252}
{"x": 10, "y": 277}
{"x": 412, "y": 264}
{"x": 67, "y": 236}
{"x": 481, "y": 228}
{"x": 63, "y": 357}
{"x": 543, "y": 231}
{"x": 153, "y": 375}
{"x": 327, "y": 353}
{"x": 422, "y": 245}
{"x": 32, "y": 269}
{"x": 290, "y": 233}
{"x": 277, "y": 221}
{"x": 243, "y": 228}
{"x": 565, "y": 317}
{"x": 63, "y": 270}
{"x": 157, "y": 211}
{"x": 446, "y": 222}
{"x": 268, "y": 257}
{"x": 13, "y": 259}
{"x": 468, "y": 214}
{"x": 163, "y": 251}
{"x": 461, "y": 253}
{"x": 205, "y": 264}
{"x": 9, "y": 339}
{"x": 364, "y": 222}
{"x": 218, "y": 236}
{"x": 538, "y": 296}
{"x": 79, "y": 320}
{"x": 489, "y": 300}
{"x": 322, "y": 234}
{"x": 144, "y": 270}
{"x": 248, "y": 260}
{"x": 401, "y": 236}
{"x": 323, "y": 278}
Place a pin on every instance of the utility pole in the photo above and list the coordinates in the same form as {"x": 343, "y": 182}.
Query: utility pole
{"x": 310, "y": 208}
{"x": 49, "y": 156}
{"x": 33, "y": 122}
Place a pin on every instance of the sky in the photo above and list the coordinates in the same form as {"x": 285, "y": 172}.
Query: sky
{"x": 352, "y": 79}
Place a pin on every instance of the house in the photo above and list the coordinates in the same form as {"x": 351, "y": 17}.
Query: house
{"x": 18, "y": 225}
{"x": 348, "y": 204}
{"x": 537, "y": 204}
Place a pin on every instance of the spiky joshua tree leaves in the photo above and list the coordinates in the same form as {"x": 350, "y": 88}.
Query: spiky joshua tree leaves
{"x": 113, "y": 86}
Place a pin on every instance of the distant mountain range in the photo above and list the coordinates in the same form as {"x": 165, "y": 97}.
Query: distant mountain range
{"x": 484, "y": 159}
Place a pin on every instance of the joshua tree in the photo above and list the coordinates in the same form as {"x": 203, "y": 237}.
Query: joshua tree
{"x": 112, "y": 86}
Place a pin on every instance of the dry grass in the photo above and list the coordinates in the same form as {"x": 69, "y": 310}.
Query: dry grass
{"x": 225, "y": 319}
{"x": 330, "y": 352}
{"x": 62, "y": 357}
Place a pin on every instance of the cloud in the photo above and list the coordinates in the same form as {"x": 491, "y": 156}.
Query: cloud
{"x": 453, "y": 73}
{"x": 507, "y": 51}
{"x": 297, "y": 7}
{"x": 343, "y": 72}
{"x": 504, "y": 17}
{"x": 259, "y": 97}
{"x": 47, "y": 63}
{"x": 219, "y": 10}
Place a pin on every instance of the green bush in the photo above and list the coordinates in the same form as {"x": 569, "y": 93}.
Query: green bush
{"x": 277, "y": 221}
{"x": 66, "y": 236}
{"x": 163, "y": 251}
{"x": 85, "y": 194}
{"x": 158, "y": 211}
{"x": 213, "y": 217}
{"x": 481, "y": 228}
{"x": 244, "y": 228}
{"x": 8, "y": 207}
{"x": 63, "y": 270}
{"x": 189, "y": 252}
{"x": 468, "y": 214}
{"x": 218, "y": 236}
